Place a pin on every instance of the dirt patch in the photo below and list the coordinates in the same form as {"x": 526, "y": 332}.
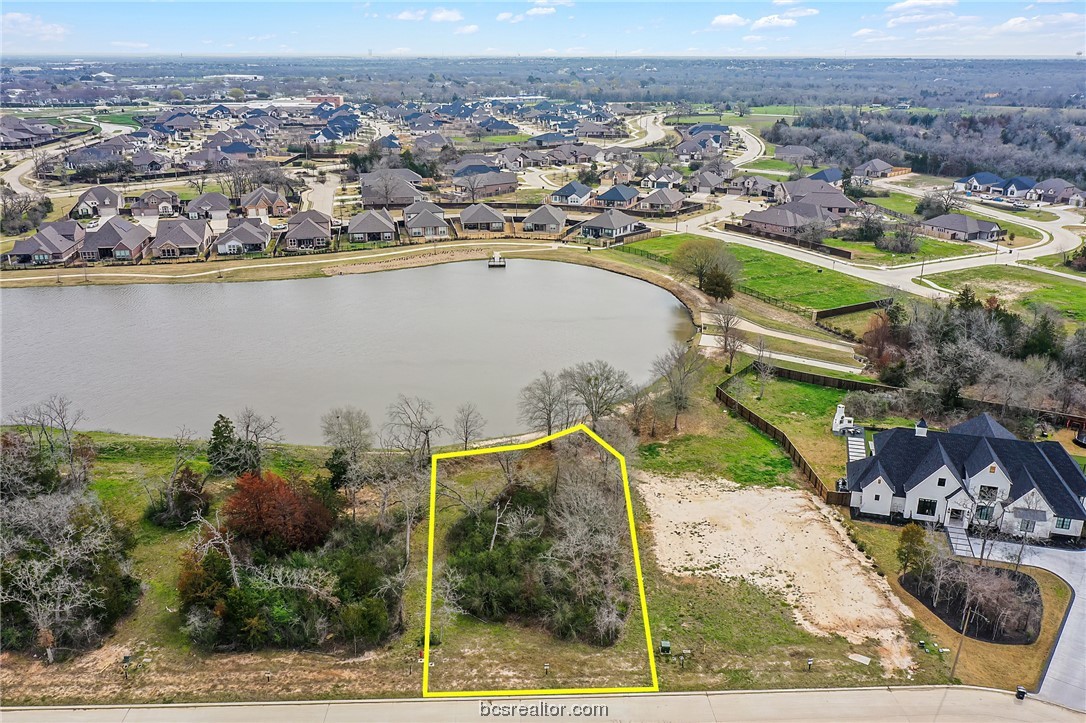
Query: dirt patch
{"x": 782, "y": 540}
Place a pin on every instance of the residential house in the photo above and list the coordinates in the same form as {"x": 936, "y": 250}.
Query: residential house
{"x": 1016, "y": 187}
{"x": 419, "y": 206}
{"x": 795, "y": 190}
{"x": 617, "y": 197}
{"x": 431, "y": 143}
{"x": 264, "y": 202}
{"x": 706, "y": 182}
{"x": 482, "y": 185}
{"x": 611, "y": 224}
{"x": 57, "y": 242}
{"x": 976, "y": 473}
{"x": 759, "y": 186}
{"x": 240, "y": 151}
{"x": 788, "y": 218}
{"x": 619, "y": 174}
{"x": 116, "y": 240}
{"x": 389, "y": 190}
{"x": 1050, "y": 190}
{"x": 662, "y": 200}
{"x": 99, "y": 201}
{"x": 308, "y": 230}
{"x": 832, "y": 176}
{"x": 480, "y": 217}
{"x": 244, "y": 236}
{"x": 146, "y": 162}
{"x": 591, "y": 129}
{"x": 978, "y": 183}
{"x": 573, "y": 193}
{"x": 875, "y": 168}
{"x": 213, "y": 205}
{"x": 211, "y": 159}
{"x": 545, "y": 219}
{"x": 689, "y": 151}
{"x": 662, "y": 177}
{"x": 181, "y": 238}
{"x": 372, "y": 225}
{"x": 956, "y": 227}
{"x": 156, "y": 202}
{"x": 426, "y": 225}
{"x": 794, "y": 153}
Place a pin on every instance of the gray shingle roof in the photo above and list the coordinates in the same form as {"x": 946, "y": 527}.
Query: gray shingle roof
{"x": 545, "y": 215}
{"x": 961, "y": 224}
{"x": 611, "y": 219}
{"x": 481, "y": 213}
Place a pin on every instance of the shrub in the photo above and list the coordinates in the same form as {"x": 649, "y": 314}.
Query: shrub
{"x": 267, "y": 511}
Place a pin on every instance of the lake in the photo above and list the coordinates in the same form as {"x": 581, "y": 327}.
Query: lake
{"x": 148, "y": 358}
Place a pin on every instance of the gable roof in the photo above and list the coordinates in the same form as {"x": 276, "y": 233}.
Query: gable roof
{"x": 619, "y": 193}
{"x": 961, "y": 224}
{"x": 875, "y": 164}
{"x": 829, "y": 175}
{"x": 546, "y": 215}
{"x": 100, "y": 196}
{"x": 182, "y": 232}
{"x": 666, "y": 196}
{"x": 984, "y": 425}
{"x": 207, "y": 202}
{"x": 371, "y": 221}
{"x": 246, "y": 231}
{"x": 262, "y": 196}
{"x": 116, "y": 232}
{"x": 984, "y": 178}
{"x": 307, "y": 229}
{"x": 573, "y": 188}
{"x": 424, "y": 219}
{"x": 480, "y": 213}
{"x": 611, "y": 219}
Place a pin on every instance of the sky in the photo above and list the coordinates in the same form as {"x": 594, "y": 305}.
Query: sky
{"x": 771, "y": 28}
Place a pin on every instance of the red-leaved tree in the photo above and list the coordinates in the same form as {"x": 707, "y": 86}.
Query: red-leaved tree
{"x": 264, "y": 509}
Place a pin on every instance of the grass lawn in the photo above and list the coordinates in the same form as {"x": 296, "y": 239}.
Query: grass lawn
{"x": 804, "y": 412}
{"x": 777, "y": 164}
{"x": 900, "y": 202}
{"x": 921, "y": 180}
{"x": 930, "y": 249}
{"x": 123, "y": 119}
{"x": 684, "y": 120}
{"x": 508, "y": 138}
{"x": 981, "y": 663}
{"x": 779, "y": 109}
{"x": 1021, "y": 288}
{"x": 1056, "y": 261}
{"x": 783, "y": 278}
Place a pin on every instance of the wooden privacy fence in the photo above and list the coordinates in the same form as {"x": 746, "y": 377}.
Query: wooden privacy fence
{"x": 826, "y": 493}
{"x": 850, "y": 308}
{"x": 791, "y": 240}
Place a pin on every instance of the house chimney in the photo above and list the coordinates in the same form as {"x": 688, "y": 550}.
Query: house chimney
{"x": 922, "y": 428}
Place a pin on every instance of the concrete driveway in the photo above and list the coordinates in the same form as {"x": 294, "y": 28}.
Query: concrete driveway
{"x": 1065, "y": 680}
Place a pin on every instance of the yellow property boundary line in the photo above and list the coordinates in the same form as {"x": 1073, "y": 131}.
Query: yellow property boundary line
{"x": 434, "y": 459}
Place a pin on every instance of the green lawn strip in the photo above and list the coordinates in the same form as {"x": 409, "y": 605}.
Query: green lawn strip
{"x": 777, "y": 164}
{"x": 1020, "y": 288}
{"x": 1056, "y": 262}
{"x": 508, "y": 138}
{"x": 122, "y": 119}
{"x": 900, "y": 202}
{"x": 930, "y": 249}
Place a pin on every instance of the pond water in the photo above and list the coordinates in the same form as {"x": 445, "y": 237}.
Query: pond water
{"x": 148, "y": 358}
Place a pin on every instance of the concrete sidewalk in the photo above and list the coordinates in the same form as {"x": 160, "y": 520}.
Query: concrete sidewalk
{"x": 865, "y": 704}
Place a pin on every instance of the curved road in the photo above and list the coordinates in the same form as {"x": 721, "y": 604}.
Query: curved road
{"x": 961, "y": 704}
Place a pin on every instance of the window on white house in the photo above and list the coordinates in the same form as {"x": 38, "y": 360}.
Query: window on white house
{"x": 1063, "y": 523}
{"x": 1027, "y": 525}
{"x": 984, "y": 514}
{"x": 942, "y": 482}
{"x": 925, "y": 507}
{"x": 877, "y": 497}
{"x": 987, "y": 493}
{"x": 991, "y": 470}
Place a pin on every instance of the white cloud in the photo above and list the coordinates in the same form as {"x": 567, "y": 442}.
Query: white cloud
{"x": 441, "y": 15}
{"x": 729, "y": 21}
{"x": 260, "y": 38}
{"x": 799, "y": 13}
{"x": 1040, "y": 22}
{"x": 866, "y": 33}
{"x": 914, "y": 18}
{"x": 466, "y": 30}
{"x": 541, "y": 10}
{"x": 785, "y": 2}
{"x": 566, "y": 3}
{"x": 772, "y": 21}
{"x": 130, "y": 44}
{"x": 32, "y": 27}
{"x": 914, "y": 4}
{"x": 411, "y": 15}
{"x": 753, "y": 38}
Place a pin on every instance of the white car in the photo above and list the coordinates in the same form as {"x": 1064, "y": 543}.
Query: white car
{"x": 92, "y": 224}
{"x": 279, "y": 227}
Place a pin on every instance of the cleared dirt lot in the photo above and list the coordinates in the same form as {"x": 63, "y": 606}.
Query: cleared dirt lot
{"x": 783, "y": 540}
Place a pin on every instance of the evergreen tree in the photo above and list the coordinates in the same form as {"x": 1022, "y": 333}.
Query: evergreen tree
{"x": 223, "y": 445}
{"x": 912, "y": 547}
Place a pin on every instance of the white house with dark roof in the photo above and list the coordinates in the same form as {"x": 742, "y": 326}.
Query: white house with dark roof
{"x": 480, "y": 217}
{"x": 545, "y": 219}
{"x": 611, "y": 224}
{"x": 180, "y": 238}
{"x": 372, "y": 225}
{"x": 244, "y": 236}
{"x": 213, "y": 205}
{"x": 977, "y": 472}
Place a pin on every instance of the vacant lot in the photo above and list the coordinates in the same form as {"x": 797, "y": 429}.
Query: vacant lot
{"x": 1021, "y": 288}
{"x": 782, "y": 278}
{"x": 930, "y": 249}
{"x": 900, "y": 202}
{"x": 783, "y": 541}
{"x": 776, "y": 164}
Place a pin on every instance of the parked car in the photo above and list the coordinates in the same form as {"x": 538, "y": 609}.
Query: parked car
{"x": 92, "y": 224}
{"x": 279, "y": 227}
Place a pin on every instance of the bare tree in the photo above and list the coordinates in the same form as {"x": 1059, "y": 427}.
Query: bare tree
{"x": 348, "y": 428}
{"x": 412, "y": 426}
{"x": 545, "y": 403}
{"x": 763, "y": 366}
{"x": 217, "y": 537}
{"x": 679, "y": 367}
{"x": 727, "y": 320}
{"x": 598, "y": 386}
{"x": 257, "y": 437}
{"x": 173, "y": 495}
{"x": 51, "y": 426}
{"x": 468, "y": 424}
